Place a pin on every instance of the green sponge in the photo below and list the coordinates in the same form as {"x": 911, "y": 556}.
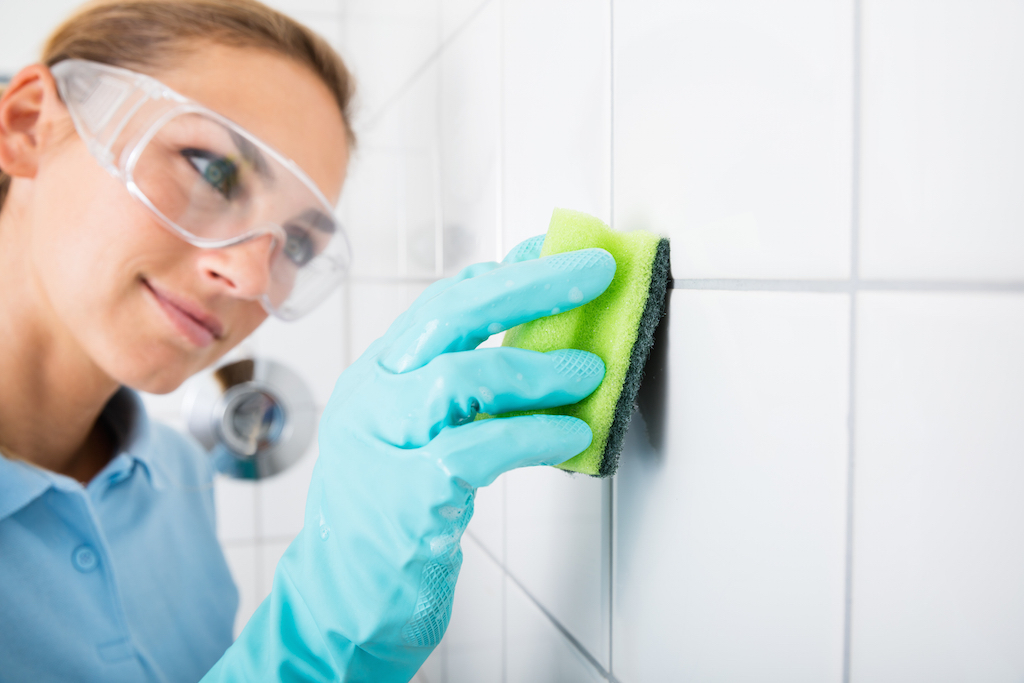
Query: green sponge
{"x": 618, "y": 326}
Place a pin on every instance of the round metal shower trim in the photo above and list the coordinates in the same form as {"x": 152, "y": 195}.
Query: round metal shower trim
{"x": 255, "y": 417}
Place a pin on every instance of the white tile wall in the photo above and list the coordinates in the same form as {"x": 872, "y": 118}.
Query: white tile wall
{"x": 391, "y": 204}
{"x": 943, "y": 154}
{"x": 558, "y": 546}
{"x": 469, "y": 118}
{"x": 243, "y": 560}
{"x": 384, "y": 44}
{"x": 473, "y": 644}
{"x": 313, "y": 346}
{"x": 557, "y": 112}
{"x": 939, "y": 519}
{"x": 538, "y": 652}
{"x": 733, "y": 133}
{"x": 488, "y": 524}
{"x": 730, "y": 550}
{"x": 25, "y": 27}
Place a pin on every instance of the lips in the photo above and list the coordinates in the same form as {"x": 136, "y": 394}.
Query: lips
{"x": 198, "y": 326}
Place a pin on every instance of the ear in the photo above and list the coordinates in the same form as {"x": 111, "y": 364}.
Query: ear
{"x": 26, "y": 113}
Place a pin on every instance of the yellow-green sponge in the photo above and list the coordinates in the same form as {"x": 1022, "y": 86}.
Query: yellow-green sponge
{"x": 618, "y": 326}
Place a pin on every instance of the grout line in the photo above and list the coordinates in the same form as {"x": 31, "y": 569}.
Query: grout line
{"x": 851, "y": 424}
{"x": 856, "y": 285}
{"x": 376, "y": 116}
{"x": 847, "y": 286}
{"x": 562, "y": 629}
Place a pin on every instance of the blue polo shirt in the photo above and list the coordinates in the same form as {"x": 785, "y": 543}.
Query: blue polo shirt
{"x": 119, "y": 580}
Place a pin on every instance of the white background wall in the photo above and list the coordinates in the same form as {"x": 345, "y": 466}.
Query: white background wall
{"x": 823, "y": 480}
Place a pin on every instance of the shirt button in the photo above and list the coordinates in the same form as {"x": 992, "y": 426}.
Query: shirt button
{"x": 85, "y": 559}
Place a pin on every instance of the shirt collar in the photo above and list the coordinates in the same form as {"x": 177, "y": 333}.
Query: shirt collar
{"x": 21, "y": 482}
{"x": 126, "y": 416}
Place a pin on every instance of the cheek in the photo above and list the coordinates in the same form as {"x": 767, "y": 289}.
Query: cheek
{"x": 79, "y": 243}
{"x": 89, "y": 250}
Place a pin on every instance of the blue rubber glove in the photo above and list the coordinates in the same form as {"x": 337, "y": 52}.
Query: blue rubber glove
{"x": 364, "y": 593}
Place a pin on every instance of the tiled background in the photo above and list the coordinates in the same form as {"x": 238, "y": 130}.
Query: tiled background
{"x": 823, "y": 479}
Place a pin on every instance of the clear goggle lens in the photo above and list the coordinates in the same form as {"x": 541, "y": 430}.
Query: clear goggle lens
{"x": 207, "y": 179}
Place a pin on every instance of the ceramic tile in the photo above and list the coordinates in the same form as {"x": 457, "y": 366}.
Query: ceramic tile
{"x": 938, "y": 511}
{"x": 557, "y": 113}
{"x": 473, "y": 641}
{"x": 433, "y": 670}
{"x": 730, "y": 501}
{"x": 312, "y": 346}
{"x": 733, "y": 133}
{"x": 457, "y": 14}
{"x": 24, "y": 29}
{"x": 421, "y": 218}
{"x": 537, "y": 652}
{"x": 164, "y": 407}
{"x": 470, "y": 95}
{"x": 488, "y": 524}
{"x": 269, "y": 553}
{"x": 235, "y": 502}
{"x": 399, "y": 11}
{"x": 385, "y": 54}
{"x": 282, "y": 498}
{"x": 241, "y": 559}
{"x": 374, "y": 307}
{"x": 391, "y": 204}
{"x": 372, "y": 211}
{"x": 942, "y": 149}
{"x": 558, "y": 547}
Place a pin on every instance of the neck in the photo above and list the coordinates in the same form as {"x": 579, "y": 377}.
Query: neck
{"x": 51, "y": 392}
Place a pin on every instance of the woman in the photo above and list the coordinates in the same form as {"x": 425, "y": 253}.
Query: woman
{"x": 169, "y": 176}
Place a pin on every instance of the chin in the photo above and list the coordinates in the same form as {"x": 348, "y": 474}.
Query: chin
{"x": 159, "y": 371}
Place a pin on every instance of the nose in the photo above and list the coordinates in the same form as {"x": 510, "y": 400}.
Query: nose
{"x": 241, "y": 270}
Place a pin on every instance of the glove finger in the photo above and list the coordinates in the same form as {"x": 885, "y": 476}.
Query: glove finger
{"x": 462, "y": 316}
{"x": 477, "y": 453}
{"x": 457, "y": 386}
{"x": 527, "y": 250}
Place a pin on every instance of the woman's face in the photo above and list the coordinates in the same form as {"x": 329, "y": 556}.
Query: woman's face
{"x": 147, "y": 307}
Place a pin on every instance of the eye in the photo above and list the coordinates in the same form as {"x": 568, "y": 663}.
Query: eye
{"x": 220, "y": 172}
{"x": 298, "y": 246}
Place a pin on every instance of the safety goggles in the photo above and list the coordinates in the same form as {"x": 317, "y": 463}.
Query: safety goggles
{"x": 207, "y": 179}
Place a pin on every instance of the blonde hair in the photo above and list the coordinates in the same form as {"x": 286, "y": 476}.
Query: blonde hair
{"x": 144, "y": 34}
